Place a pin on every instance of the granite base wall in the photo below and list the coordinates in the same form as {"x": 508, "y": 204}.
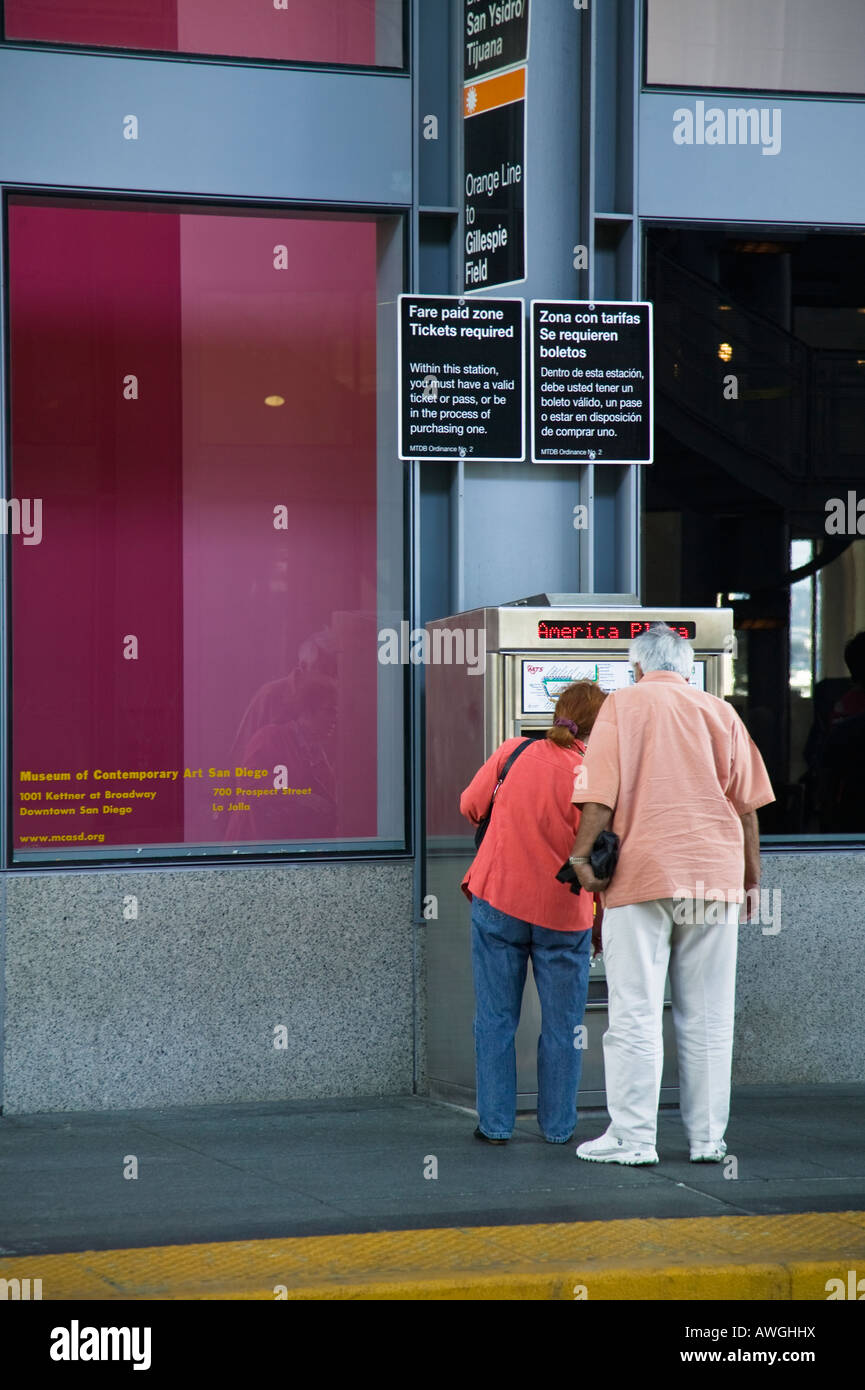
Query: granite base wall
{"x": 800, "y": 1016}
{"x": 179, "y": 1005}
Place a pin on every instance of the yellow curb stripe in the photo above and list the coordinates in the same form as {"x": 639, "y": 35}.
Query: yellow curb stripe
{"x": 723, "y": 1257}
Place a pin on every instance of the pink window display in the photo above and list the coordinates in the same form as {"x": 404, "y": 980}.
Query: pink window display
{"x": 354, "y": 32}
{"x": 194, "y": 402}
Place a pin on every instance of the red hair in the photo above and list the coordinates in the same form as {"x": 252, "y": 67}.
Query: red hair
{"x": 581, "y": 703}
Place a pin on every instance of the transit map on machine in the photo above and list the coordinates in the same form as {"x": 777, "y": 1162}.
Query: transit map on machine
{"x": 544, "y": 681}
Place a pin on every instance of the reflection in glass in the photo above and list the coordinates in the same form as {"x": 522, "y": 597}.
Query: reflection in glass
{"x": 828, "y": 714}
{"x": 776, "y": 45}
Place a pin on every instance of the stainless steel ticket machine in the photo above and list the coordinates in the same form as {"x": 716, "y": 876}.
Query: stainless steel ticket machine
{"x": 495, "y": 673}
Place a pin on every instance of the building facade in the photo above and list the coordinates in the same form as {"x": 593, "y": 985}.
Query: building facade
{"x": 212, "y": 816}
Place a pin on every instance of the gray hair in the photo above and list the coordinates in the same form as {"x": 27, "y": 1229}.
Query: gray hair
{"x": 662, "y": 649}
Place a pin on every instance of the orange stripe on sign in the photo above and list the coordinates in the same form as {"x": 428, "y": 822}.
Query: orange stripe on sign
{"x": 494, "y": 91}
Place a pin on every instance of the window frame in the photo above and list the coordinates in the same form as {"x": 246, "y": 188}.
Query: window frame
{"x": 733, "y": 90}
{"x": 160, "y": 857}
{"x": 771, "y": 844}
{"x": 235, "y": 60}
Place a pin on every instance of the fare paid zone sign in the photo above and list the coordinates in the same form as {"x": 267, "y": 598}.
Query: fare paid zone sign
{"x": 461, "y": 378}
{"x": 591, "y": 382}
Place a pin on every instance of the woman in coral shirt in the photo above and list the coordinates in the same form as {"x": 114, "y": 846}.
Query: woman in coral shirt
{"x": 519, "y": 909}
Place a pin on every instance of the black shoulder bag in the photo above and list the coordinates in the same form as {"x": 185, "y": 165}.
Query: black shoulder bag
{"x": 483, "y": 823}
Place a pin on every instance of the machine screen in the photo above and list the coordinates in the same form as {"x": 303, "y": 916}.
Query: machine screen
{"x": 544, "y": 681}
{"x": 593, "y": 630}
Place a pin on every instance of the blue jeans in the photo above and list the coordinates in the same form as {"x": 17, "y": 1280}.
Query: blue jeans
{"x": 501, "y": 947}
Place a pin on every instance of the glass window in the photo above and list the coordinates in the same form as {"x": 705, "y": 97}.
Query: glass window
{"x": 776, "y": 45}
{"x": 755, "y": 500}
{"x": 356, "y": 32}
{"x": 210, "y": 530}
{"x": 802, "y": 623}
{"x": 832, "y": 750}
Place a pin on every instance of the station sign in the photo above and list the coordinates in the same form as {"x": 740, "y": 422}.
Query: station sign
{"x": 461, "y": 378}
{"x": 496, "y": 45}
{"x": 591, "y": 382}
{"x": 496, "y": 36}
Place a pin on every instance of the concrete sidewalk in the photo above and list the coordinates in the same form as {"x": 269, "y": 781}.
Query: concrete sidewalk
{"x": 280, "y": 1175}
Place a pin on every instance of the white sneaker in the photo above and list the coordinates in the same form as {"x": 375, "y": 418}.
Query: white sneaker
{"x": 709, "y": 1153}
{"x": 608, "y": 1149}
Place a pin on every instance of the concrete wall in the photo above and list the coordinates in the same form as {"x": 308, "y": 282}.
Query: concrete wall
{"x": 179, "y": 1006}
{"x": 799, "y": 1014}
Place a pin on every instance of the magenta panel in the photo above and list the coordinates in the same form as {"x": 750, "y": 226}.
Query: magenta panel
{"x": 234, "y": 540}
{"x": 281, "y": 665}
{"x": 144, "y": 24}
{"x": 326, "y": 31}
{"x": 94, "y": 302}
{"x": 329, "y": 31}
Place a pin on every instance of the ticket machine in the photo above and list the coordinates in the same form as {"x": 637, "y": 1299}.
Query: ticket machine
{"x": 533, "y": 649}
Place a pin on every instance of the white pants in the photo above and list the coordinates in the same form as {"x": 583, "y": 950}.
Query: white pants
{"x": 640, "y": 942}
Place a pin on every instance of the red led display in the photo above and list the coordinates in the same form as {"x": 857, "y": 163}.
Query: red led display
{"x": 621, "y": 630}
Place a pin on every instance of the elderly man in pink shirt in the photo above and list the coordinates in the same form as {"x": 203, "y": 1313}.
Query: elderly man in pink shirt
{"x": 674, "y": 773}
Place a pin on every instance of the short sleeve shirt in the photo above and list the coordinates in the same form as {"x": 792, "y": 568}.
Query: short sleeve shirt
{"x": 678, "y": 769}
{"x": 531, "y": 834}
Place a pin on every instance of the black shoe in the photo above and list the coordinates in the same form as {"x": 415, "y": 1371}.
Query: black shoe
{"x": 479, "y": 1134}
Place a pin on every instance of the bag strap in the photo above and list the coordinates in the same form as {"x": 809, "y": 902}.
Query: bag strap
{"x": 508, "y": 765}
